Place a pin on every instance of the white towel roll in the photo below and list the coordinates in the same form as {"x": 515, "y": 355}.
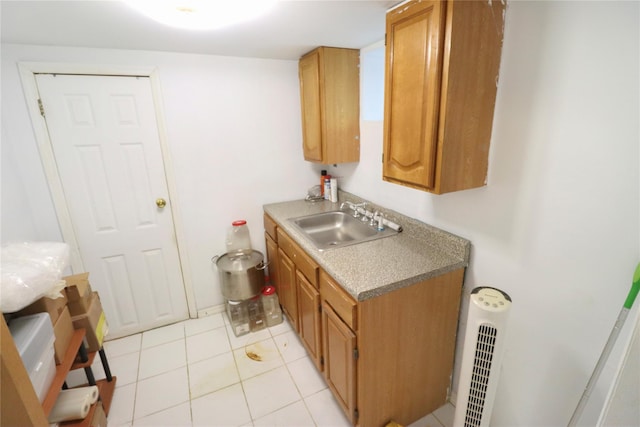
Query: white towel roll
{"x": 73, "y": 404}
{"x": 92, "y": 391}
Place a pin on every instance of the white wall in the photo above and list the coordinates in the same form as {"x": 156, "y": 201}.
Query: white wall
{"x": 234, "y": 134}
{"x": 557, "y": 228}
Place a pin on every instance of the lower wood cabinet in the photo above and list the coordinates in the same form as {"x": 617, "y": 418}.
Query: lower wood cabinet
{"x": 272, "y": 256}
{"x": 309, "y": 319}
{"x": 386, "y": 358}
{"x": 287, "y": 287}
{"x": 340, "y": 360}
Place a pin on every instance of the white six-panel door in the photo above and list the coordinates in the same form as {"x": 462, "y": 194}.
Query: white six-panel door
{"x": 105, "y": 140}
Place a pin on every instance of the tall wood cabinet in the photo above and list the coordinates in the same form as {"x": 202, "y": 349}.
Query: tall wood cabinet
{"x": 442, "y": 63}
{"x": 386, "y": 358}
{"x": 330, "y": 104}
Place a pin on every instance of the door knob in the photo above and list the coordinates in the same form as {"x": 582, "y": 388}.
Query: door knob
{"x": 161, "y": 203}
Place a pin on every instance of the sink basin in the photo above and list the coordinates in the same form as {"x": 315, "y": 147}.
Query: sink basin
{"x": 335, "y": 229}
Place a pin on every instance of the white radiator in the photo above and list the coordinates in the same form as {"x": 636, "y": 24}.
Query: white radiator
{"x": 481, "y": 357}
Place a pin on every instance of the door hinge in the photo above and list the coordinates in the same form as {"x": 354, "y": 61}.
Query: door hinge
{"x": 41, "y": 107}
{"x": 356, "y": 353}
{"x": 356, "y": 414}
{"x": 322, "y": 360}
{"x": 319, "y": 308}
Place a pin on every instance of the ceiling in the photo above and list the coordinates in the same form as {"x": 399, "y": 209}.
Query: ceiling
{"x": 289, "y": 30}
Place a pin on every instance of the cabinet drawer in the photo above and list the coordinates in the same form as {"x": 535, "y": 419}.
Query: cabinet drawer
{"x": 303, "y": 262}
{"x": 308, "y": 267}
{"x": 341, "y": 302}
{"x": 270, "y": 227}
{"x": 286, "y": 243}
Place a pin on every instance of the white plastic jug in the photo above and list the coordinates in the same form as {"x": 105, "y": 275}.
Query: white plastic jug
{"x": 238, "y": 238}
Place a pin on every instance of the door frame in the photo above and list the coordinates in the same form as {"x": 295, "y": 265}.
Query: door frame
{"x": 28, "y": 71}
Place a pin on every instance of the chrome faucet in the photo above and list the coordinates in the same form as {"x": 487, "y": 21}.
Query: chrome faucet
{"x": 354, "y": 207}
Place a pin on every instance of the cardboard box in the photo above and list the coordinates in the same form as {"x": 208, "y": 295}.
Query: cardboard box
{"x": 45, "y": 305}
{"x": 94, "y": 322}
{"x": 78, "y": 291}
{"x": 63, "y": 331}
{"x": 99, "y": 417}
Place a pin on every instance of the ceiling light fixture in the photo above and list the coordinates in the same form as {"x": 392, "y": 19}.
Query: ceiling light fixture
{"x": 201, "y": 14}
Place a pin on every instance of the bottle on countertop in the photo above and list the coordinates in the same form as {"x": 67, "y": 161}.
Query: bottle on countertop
{"x": 323, "y": 173}
{"x": 327, "y": 187}
{"x": 334, "y": 190}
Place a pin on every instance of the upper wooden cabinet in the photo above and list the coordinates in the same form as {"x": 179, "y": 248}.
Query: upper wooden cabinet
{"x": 442, "y": 63}
{"x": 330, "y": 100}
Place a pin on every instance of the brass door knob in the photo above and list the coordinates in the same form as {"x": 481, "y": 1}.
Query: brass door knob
{"x": 161, "y": 203}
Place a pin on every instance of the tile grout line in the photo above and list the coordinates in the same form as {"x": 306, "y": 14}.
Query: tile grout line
{"x": 235, "y": 363}
{"x": 135, "y": 387}
{"x": 186, "y": 358}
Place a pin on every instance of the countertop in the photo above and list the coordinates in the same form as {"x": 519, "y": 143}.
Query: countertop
{"x": 370, "y": 269}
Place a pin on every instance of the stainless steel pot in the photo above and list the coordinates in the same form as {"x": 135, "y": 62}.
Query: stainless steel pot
{"x": 241, "y": 274}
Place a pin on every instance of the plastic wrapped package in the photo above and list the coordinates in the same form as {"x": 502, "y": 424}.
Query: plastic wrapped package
{"x": 31, "y": 270}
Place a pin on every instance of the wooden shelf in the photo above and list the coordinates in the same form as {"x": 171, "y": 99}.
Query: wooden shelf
{"x": 105, "y": 388}
{"x": 62, "y": 370}
{"x": 80, "y": 365}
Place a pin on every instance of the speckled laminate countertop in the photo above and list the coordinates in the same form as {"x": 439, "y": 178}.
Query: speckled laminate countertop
{"x": 373, "y": 268}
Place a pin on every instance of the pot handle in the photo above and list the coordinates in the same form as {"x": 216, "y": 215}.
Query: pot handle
{"x": 215, "y": 258}
{"x": 262, "y": 265}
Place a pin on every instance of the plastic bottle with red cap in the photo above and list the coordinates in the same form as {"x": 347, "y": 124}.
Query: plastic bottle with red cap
{"x": 271, "y": 306}
{"x": 238, "y": 237}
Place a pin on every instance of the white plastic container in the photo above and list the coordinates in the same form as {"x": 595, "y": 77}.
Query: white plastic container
{"x": 271, "y": 306}
{"x": 238, "y": 237}
{"x": 238, "y": 313}
{"x": 33, "y": 336}
{"x": 334, "y": 190}
{"x": 257, "y": 322}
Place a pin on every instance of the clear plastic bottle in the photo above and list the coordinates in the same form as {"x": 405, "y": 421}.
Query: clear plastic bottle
{"x": 238, "y": 312}
{"x": 271, "y": 306}
{"x": 256, "y": 314}
{"x": 238, "y": 237}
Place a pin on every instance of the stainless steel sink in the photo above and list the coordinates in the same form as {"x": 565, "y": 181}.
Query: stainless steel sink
{"x": 336, "y": 229}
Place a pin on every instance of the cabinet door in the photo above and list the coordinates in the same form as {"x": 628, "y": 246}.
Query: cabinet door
{"x": 309, "y": 73}
{"x": 340, "y": 356}
{"x": 309, "y": 320}
{"x": 412, "y": 93}
{"x": 287, "y": 287}
{"x": 272, "y": 257}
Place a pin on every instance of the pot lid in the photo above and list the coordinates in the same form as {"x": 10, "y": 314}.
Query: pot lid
{"x": 239, "y": 261}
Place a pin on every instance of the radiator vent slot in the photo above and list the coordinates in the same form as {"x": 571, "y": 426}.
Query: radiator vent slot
{"x": 480, "y": 376}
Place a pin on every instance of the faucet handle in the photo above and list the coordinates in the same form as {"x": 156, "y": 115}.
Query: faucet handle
{"x": 373, "y": 221}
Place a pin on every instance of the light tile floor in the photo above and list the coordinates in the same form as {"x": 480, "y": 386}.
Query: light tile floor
{"x": 197, "y": 373}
